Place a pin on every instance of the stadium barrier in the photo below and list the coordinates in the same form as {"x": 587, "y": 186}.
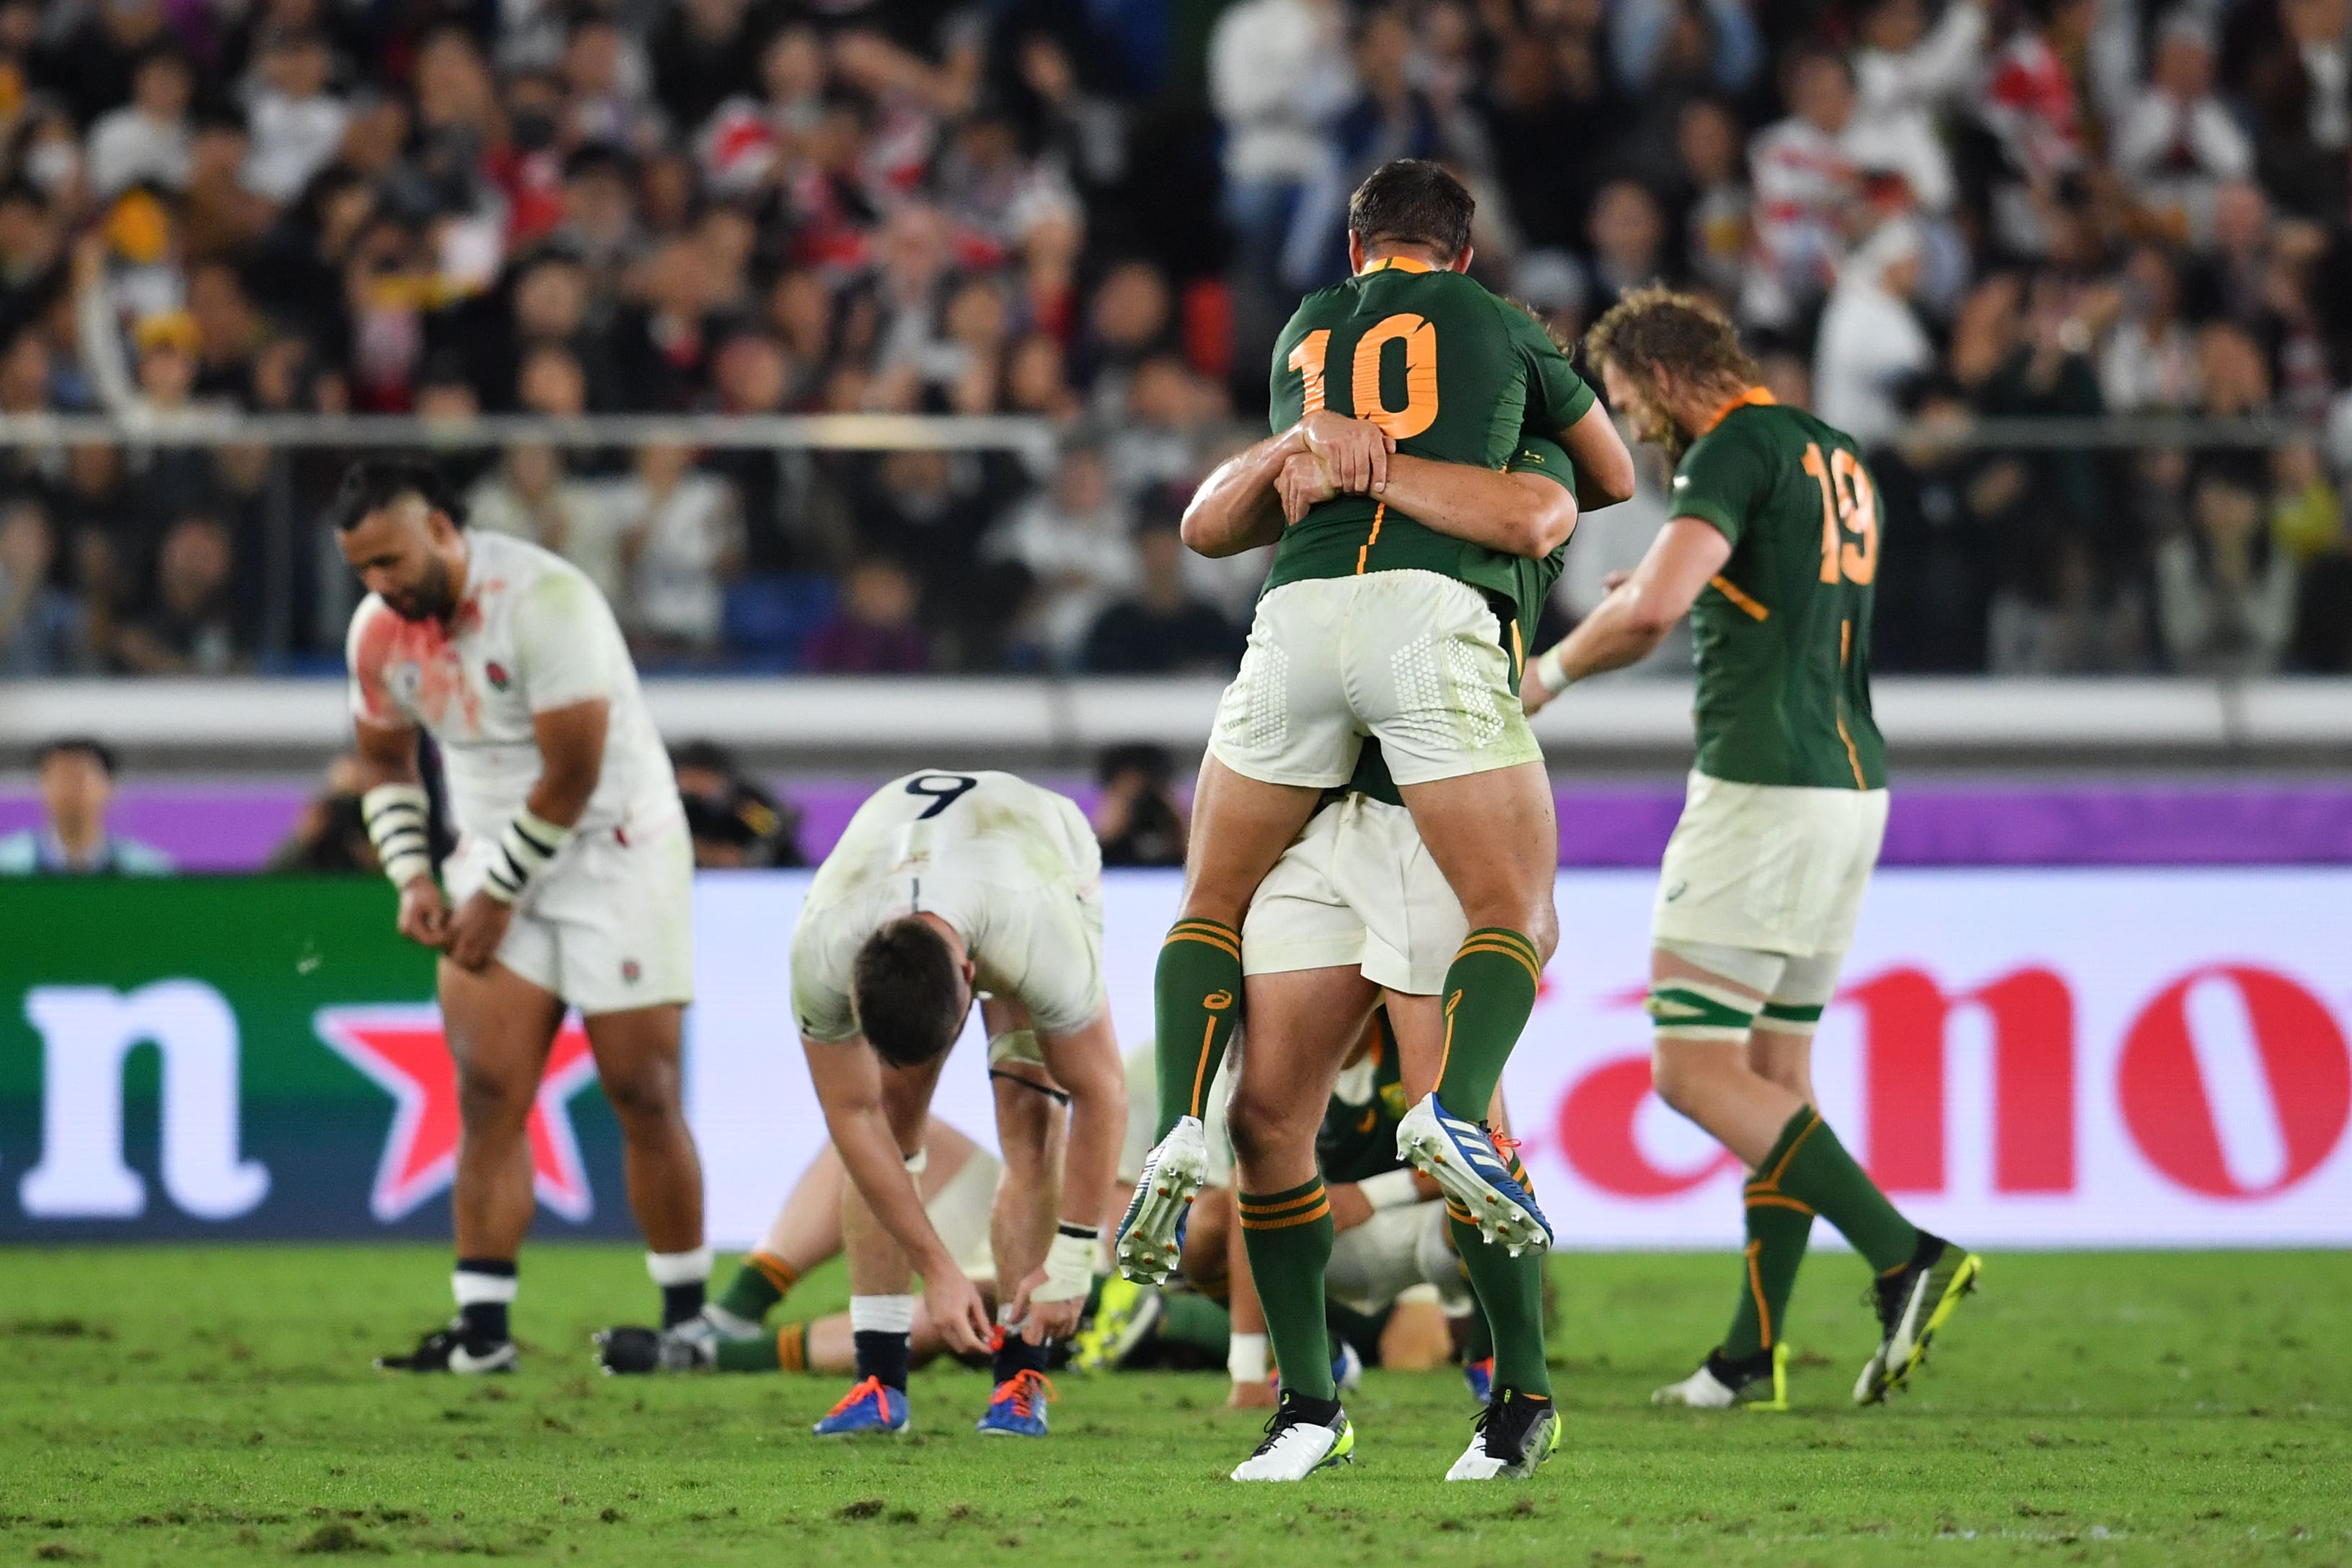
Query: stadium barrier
{"x": 2023, "y": 1058}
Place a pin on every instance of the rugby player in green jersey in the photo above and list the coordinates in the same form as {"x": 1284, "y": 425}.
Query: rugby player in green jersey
{"x": 1410, "y": 385}
{"x": 1770, "y": 547}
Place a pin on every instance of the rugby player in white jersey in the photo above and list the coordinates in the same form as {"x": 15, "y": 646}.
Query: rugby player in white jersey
{"x": 948, "y": 887}
{"x": 570, "y": 882}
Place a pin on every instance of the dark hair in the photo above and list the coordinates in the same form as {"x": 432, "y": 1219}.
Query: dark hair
{"x": 708, "y": 755}
{"x": 1412, "y": 201}
{"x": 1655, "y": 329}
{"x": 1147, "y": 757}
{"x": 375, "y": 483}
{"x": 909, "y": 993}
{"x": 90, "y": 746}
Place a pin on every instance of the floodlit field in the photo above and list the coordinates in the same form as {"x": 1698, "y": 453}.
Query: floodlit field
{"x": 217, "y": 1404}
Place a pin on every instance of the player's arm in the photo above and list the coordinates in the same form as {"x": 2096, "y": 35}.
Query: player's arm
{"x": 1239, "y": 506}
{"x": 567, "y": 645}
{"x": 394, "y": 806}
{"x": 1605, "y": 466}
{"x": 1515, "y": 513}
{"x": 1086, "y": 1064}
{"x": 1353, "y": 1202}
{"x": 848, "y": 1079}
{"x": 1638, "y": 613}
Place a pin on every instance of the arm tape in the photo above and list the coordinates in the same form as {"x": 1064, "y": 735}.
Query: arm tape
{"x": 526, "y": 846}
{"x": 395, "y": 814}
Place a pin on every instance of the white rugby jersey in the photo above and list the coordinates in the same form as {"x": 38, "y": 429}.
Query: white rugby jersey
{"x": 531, "y": 633}
{"x": 1012, "y": 868}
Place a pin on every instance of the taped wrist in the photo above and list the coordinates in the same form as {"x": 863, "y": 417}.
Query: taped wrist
{"x": 526, "y": 846}
{"x": 1069, "y": 1265}
{"x": 1554, "y": 668}
{"x": 1390, "y": 1190}
{"x": 395, "y": 814}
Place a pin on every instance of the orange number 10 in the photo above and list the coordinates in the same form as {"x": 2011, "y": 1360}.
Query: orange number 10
{"x": 1847, "y": 500}
{"x": 1419, "y": 339}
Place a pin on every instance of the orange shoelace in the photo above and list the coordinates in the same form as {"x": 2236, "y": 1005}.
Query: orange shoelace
{"x": 1503, "y": 1145}
{"x": 872, "y": 1389}
{"x": 1024, "y": 1388}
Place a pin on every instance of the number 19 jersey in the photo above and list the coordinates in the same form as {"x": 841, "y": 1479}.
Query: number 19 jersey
{"x": 1782, "y": 633}
{"x": 1453, "y": 373}
{"x": 1012, "y": 868}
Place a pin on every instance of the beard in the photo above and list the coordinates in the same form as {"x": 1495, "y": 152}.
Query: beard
{"x": 431, "y": 600}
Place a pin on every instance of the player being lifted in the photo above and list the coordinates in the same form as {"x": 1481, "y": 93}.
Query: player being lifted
{"x": 1770, "y": 546}
{"x": 571, "y": 884}
{"x": 946, "y": 887}
{"x": 1410, "y": 384}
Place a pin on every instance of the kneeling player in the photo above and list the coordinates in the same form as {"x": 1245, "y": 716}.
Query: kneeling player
{"x": 958, "y": 1187}
{"x": 944, "y": 887}
{"x": 1770, "y": 551}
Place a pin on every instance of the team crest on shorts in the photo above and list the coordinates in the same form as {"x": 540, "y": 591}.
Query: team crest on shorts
{"x": 630, "y": 971}
{"x": 497, "y": 673}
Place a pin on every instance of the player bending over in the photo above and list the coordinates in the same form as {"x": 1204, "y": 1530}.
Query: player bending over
{"x": 1770, "y": 547}
{"x": 947, "y": 887}
{"x": 1412, "y": 385}
{"x": 958, "y": 1188}
{"x": 571, "y": 884}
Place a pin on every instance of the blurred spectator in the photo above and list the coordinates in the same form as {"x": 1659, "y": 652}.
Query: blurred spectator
{"x": 1906, "y": 74}
{"x": 2029, "y": 104}
{"x": 1715, "y": 236}
{"x": 296, "y": 125}
{"x": 190, "y": 623}
{"x": 2225, "y": 593}
{"x": 77, "y": 779}
{"x": 43, "y": 631}
{"x": 1279, "y": 75}
{"x": 1941, "y": 516}
{"x": 874, "y": 632}
{"x": 2306, "y": 514}
{"x": 1138, "y": 818}
{"x": 1162, "y": 629}
{"x": 1073, "y": 538}
{"x": 735, "y": 821}
{"x": 2179, "y": 144}
{"x": 2150, "y": 363}
{"x": 1871, "y": 343}
{"x": 1628, "y": 242}
{"x": 2072, "y": 619}
{"x": 683, "y": 540}
{"x": 148, "y": 139}
{"x": 330, "y": 838}
{"x": 531, "y": 495}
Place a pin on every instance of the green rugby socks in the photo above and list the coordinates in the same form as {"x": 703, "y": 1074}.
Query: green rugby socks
{"x": 1510, "y": 1299}
{"x": 1196, "y": 998}
{"x": 1779, "y": 1226}
{"x": 1489, "y": 991}
{"x": 763, "y": 1281}
{"x": 1808, "y": 1163}
{"x": 1288, "y": 1235}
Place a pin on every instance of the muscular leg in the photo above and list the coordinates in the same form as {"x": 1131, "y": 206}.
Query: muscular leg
{"x": 1494, "y": 837}
{"x": 1779, "y": 1227}
{"x": 637, "y": 1064}
{"x": 1029, "y": 1129}
{"x": 1303, "y": 1025}
{"x": 1240, "y": 828}
{"x": 499, "y": 1026}
{"x": 877, "y": 1265}
{"x": 1509, "y": 1290}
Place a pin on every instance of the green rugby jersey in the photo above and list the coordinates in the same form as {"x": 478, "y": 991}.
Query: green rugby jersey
{"x": 1782, "y": 633}
{"x": 1532, "y": 585}
{"x": 1356, "y": 1140}
{"x": 1453, "y": 373}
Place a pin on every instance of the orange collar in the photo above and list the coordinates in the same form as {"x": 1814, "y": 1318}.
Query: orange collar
{"x": 1396, "y": 264}
{"x": 1757, "y": 396}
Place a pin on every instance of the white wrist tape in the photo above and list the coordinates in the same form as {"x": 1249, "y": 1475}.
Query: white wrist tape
{"x": 1553, "y": 669}
{"x": 1390, "y": 1190}
{"x": 526, "y": 846}
{"x": 1069, "y": 1267}
{"x": 1245, "y": 1358}
{"x": 395, "y": 814}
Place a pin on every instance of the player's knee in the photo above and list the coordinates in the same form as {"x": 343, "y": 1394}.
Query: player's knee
{"x": 641, "y": 1093}
{"x": 1679, "y": 1070}
{"x": 491, "y": 1101}
{"x": 1260, "y": 1127}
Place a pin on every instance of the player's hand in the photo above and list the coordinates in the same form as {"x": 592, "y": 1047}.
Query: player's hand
{"x": 1354, "y": 451}
{"x": 475, "y": 935}
{"x": 1303, "y": 482}
{"x": 957, "y": 1310}
{"x": 1533, "y": 693}
{"x": 1043, "y": 1320}
{"x": 1612, "y": 581}
{"x": 1253, "y": 1396}
{"x": 424, "y": 913}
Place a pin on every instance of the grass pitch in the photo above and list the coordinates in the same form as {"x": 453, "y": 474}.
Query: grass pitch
{"x": 201, "y": 1405}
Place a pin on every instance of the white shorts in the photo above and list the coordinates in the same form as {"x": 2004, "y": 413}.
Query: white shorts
{"x": 1374, "y": 1263}
{"x": 959, "y": 1213}
{"x": 1358, "y": 890}
{"x": 1773, "y": 868}
{"x": 608, "y": 927}
{"x": 1409, "y": 656}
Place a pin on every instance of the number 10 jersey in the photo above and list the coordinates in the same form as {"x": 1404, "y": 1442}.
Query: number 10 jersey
{"x": 1012, "y": 868}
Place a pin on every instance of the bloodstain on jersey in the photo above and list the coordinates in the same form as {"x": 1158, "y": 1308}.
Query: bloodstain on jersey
{"x": 437, "y": 695}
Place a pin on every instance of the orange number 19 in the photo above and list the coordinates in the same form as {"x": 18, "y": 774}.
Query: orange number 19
{"x": 1847, "y": 500}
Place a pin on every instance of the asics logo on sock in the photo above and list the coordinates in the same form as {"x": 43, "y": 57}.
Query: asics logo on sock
{"x": 1217, "y": 1001}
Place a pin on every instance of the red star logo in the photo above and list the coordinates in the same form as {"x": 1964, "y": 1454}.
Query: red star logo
{"x": 402, "y": 1049}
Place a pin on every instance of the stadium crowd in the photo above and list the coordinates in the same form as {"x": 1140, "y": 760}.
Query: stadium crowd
{"x": 1100, "y": 213}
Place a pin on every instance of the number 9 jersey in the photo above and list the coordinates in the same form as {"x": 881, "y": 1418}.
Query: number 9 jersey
{"x": 1782, "y": 633}
{"x": 1014, "y": 868}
